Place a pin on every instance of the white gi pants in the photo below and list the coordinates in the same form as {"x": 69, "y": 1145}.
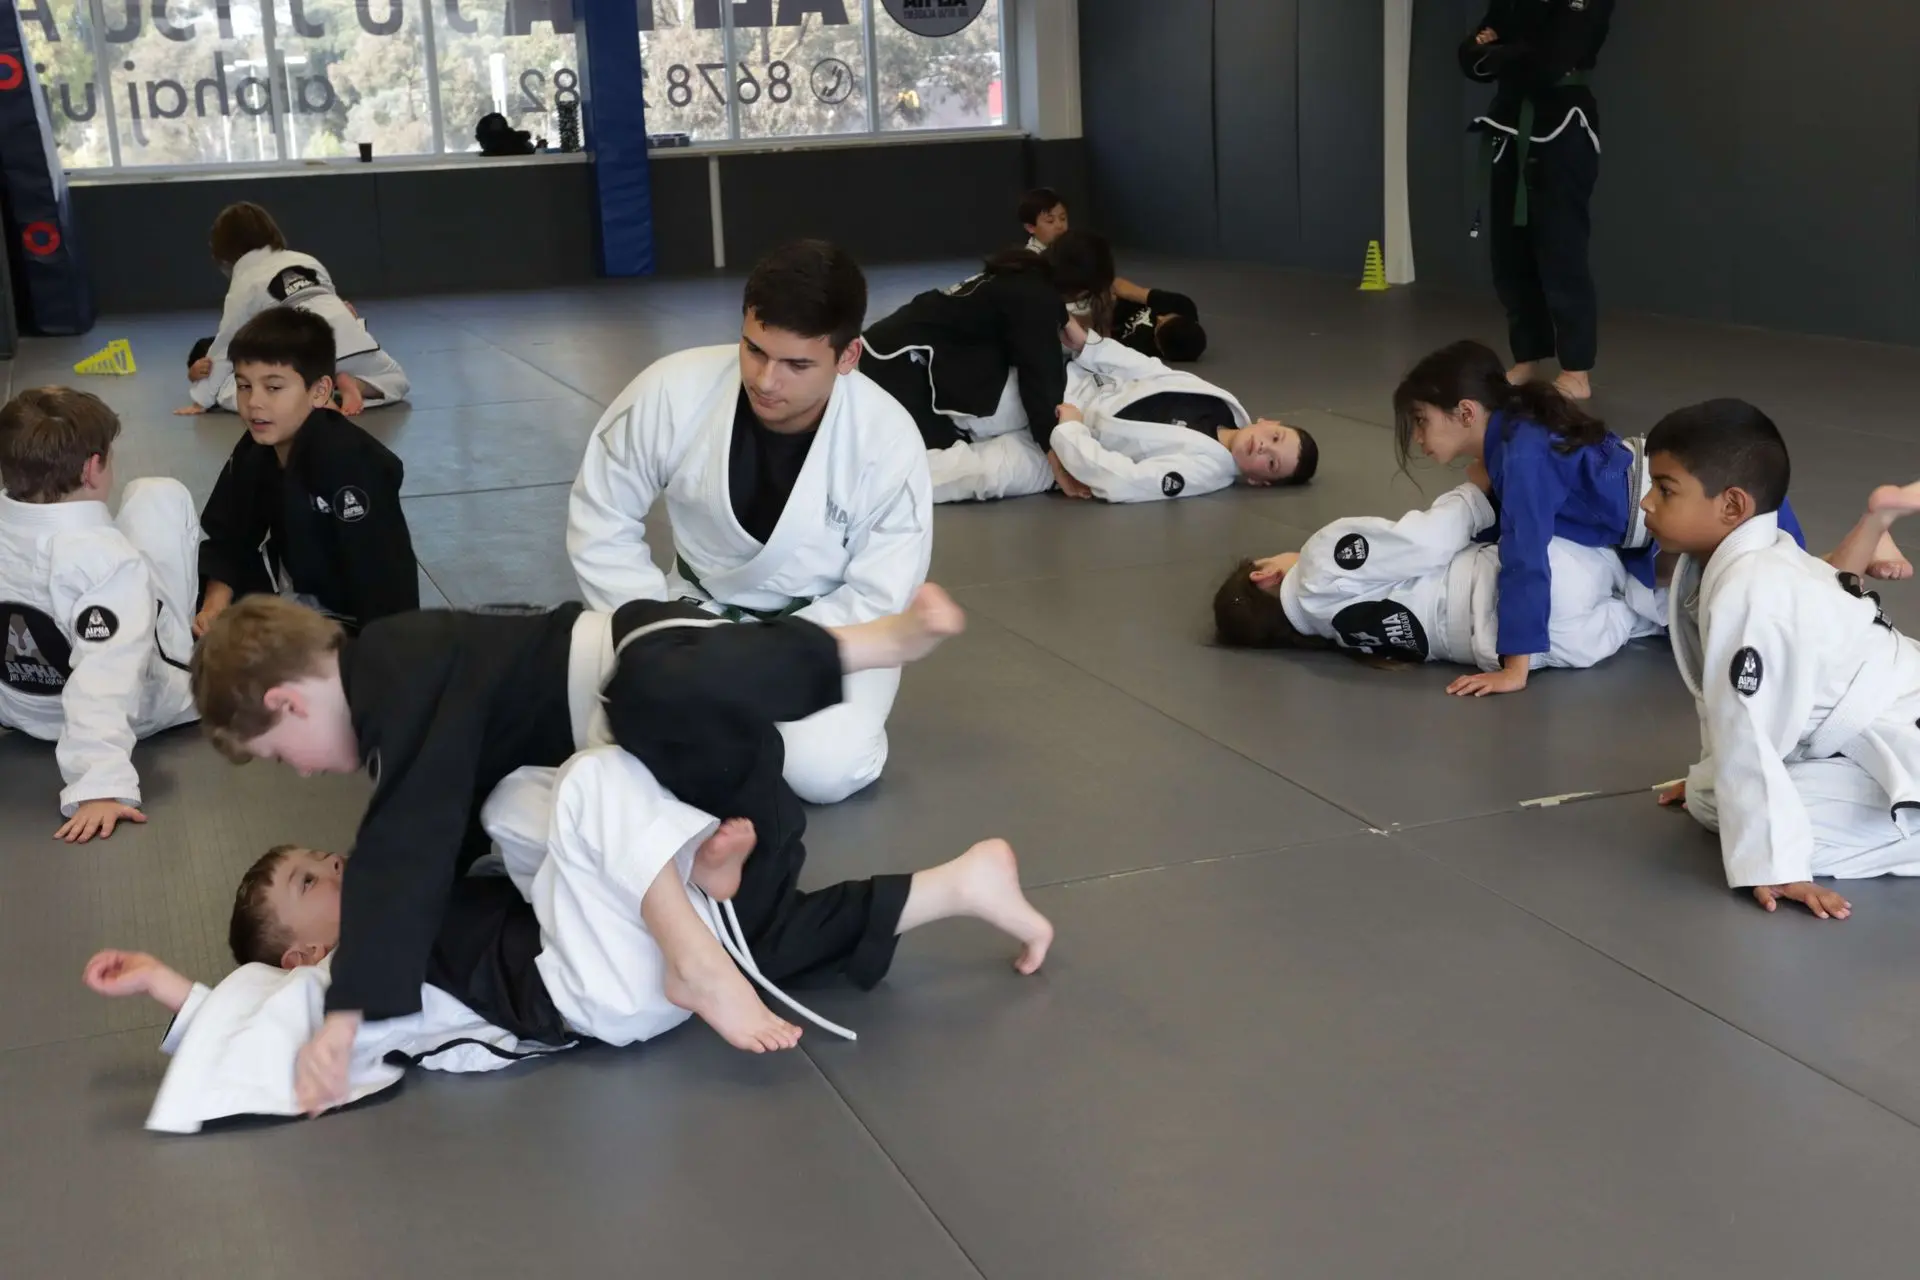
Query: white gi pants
{"x": 1854, "y": 834}
{"x": 583, "y": 844}
{"x": 836, "y": 752}
{"x": 158, "y": 517}
{"x": 1000, "y": 459}
{"x": 375, "y": 369}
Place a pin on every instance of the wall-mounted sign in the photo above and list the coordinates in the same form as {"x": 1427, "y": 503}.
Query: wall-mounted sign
{"x": 935, "y": 17}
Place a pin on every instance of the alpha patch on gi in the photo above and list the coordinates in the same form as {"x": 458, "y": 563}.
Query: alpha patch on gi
{"x": 350, "y": 505}
{"x": 1747, "y": 671}
{"x": 96, "y": 624}
{"x": 1172, "y": 483}
{"x": 293, "y": 282}
{"x": 38, "y": 658}
{"x": 1350, "y": 552}
{"x": 1382, "y": 628}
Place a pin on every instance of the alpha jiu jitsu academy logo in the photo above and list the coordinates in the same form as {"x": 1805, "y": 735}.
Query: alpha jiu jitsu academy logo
{"x": 37, "y": 658}
{"x": 350, "y": 505}
{"x": 1351, "y": 551}
{"x": 96, "y": 625}
{"x": 1747, "y": 672}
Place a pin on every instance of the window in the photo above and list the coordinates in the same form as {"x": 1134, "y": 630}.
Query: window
{"x": 140, "y": 83}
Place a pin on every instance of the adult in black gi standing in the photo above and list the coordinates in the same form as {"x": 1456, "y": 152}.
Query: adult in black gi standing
{"x": 1543, "y": 124}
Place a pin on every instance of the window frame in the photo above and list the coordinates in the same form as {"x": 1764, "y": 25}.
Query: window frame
{"x": 117, "y": 172}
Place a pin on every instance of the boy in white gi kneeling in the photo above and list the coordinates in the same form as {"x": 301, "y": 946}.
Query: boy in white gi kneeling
{"x": 97, "y": 606}
{"x": 604, "y": 927}
{"x": 1810, "y": 755}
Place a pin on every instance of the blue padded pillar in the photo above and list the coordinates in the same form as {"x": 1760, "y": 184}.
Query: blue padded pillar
{"x": 616, "y": 126}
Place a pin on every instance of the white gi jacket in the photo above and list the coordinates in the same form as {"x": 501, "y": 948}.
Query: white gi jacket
{"x": 1420, "y": 589}
{"x": 267, "y": 278}
{"x": 1126, "y": 461}
{"x": 582, "y": 843}
{"x": 1786, "y": 665}
{"x": 853, "y": 542}
{"x": 83, "y": 666}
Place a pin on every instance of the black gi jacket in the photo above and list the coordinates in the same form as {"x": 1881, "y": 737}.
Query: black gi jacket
{"x": 979, "y": 330}
{"x": 1541, "y": 41}
{"x": 330, "y": 521}
{"x": 1133, "y": 322}
{"x": 444, "y": 706}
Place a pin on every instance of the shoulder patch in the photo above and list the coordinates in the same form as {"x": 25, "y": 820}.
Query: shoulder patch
{"x": 38, "y": 659}
{"x": 1382, "y": 628}
{"x": 1172, "y": 483}
{"x": 350, "y": 505}
{"x": 96, "y": 624}
{"x": 293, "y": 282}
{"x": 1351, "y": 551}
{"x": 1747, "y": 672}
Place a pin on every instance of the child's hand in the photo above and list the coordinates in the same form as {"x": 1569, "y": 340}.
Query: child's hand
{"x": 204, "y": 619}
{"x": 96, "y": 818}
{"x": 122, "y": 973}
{"x": 1675, "y": 794}
{"x": 1487, "y": 36}
{"x": 1074, "y": 335}
{"x": 189, "y": 411}
{"x": 1271, "y": 569}
{"x": 1065, "y": 478}
{"x": 353, "y": 401}
{"x": 320, "y": 1072}
{"x": 1509, "y": 679}
{"x": 200, "y": 370}
{"x": 1824, "y": 903}
{"x": 1067, "y": 413}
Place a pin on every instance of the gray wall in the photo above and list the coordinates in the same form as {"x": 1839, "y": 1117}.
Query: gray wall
{"x": 1762, "y": 162}
{"x": 1235, "y": 128}
{"x": 505, "y": 226}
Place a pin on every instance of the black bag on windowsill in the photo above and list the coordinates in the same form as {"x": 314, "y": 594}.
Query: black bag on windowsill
{"x": 498, "y": 138}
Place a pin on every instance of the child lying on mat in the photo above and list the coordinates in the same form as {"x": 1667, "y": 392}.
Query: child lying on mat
{"x": 605, "y": 927}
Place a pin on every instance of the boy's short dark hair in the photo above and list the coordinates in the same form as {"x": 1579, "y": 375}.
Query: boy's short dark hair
{"x": 1036, "y": 202}
{"x": 254, "y": 933}
{"x": 1245, "y": 617}
{"x": 1727, "y": 444}
{"x": 46, "y": 436}
{"x": 288, "y": 336}
{"x": 811, "y": 288}
{"x": 1181, "y": 339}
{"x": 241, "y": 228}
{"x": 1309, "y": 458}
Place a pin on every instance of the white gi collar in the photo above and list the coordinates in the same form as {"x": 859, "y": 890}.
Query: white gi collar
{"x": 54, "y": 515}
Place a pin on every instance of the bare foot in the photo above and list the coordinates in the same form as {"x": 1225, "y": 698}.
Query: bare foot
{"x": 1522, "y": 373}
{"x": 717, "y": 863}
{"x": 991, "y": 887}
{"x": 1888, "y": 562}
{"x": 1574, "y": 386}
{"x": 721, "y": 996}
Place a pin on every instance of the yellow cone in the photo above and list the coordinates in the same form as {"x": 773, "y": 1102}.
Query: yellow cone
{"x": 1374, "y": 278}
{"x": 116, "y": 358}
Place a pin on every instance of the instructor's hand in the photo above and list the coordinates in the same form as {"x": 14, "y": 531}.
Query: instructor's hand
{"x": 1824, "y": 903}
{"x": 320, "y": 1072}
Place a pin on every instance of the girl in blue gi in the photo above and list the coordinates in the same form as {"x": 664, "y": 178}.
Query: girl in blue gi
{"x": 1556, "y": 471}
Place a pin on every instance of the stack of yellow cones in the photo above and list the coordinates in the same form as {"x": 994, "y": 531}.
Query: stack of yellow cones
{"x": 114, "y": 359}
{"x": 1374, "y": 278}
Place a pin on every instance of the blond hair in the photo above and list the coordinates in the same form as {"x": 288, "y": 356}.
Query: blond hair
{"x": 254, "y": 646}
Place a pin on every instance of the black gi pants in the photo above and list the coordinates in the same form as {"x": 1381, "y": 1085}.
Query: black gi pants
{"x": 908, "y": 381}
{"x": 698, "y": 705}
{"x": 1541, "y": 270}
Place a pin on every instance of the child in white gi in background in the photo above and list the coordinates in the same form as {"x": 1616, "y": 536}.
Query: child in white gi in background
{"x": 604, "y": 927}
{"x": 1810, "y": 758}
{"x": 1421, "y": 589}
{"x": 97, "y": 607}
{"x": 263, "y": 272}
{"x": 1131, "y": 430}
{"x": 792, "y": 483}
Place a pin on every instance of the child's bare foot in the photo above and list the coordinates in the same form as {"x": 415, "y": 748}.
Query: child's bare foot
{"x": 1890, "y": 502}
{"x": 990, "y": 885}
{"x": 717, "y": 863}
{"x": 1888, "y": 562}
{"x": 1574, "y": 386}
{"x": 718, "y": 994}
{"x": 1521, "y": 374}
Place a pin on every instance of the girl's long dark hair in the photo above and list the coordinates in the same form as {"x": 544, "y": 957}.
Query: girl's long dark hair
{"x": 1079, "y": 265}
{"x": 1471, "y": 371}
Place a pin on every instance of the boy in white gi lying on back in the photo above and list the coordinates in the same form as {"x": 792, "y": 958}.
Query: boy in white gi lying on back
{"x": 1132, "y": 430}
{"x": 1810, "y": 756}
{"x": 604, "y": 927}
{"x": 1420, "y": 589}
